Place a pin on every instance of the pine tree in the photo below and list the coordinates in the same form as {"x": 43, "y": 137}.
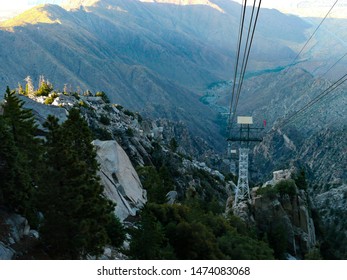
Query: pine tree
{"x": 301, "y": 181}
{"x": 76, "y": 214}
{"x": 29, "y": 87}
{"x": 8, "y": 155}
{"x": 21, "y": 151}
{"x": 20, "y": 89}
{"x": 44, "y": 89}
{"x": 20, "y": 119}
{"x": 147, "y": 238}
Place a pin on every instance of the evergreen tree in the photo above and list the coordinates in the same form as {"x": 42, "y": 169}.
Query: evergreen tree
{"x": 29, "y": 87}
{"x": 187, "y": 232}
{"x": 77, "y": 217}
{"x": 45, "y": 89}
{"x": 103, "y": 95}
{"x": 8, "y": 155}
{"x": 20, "y": 89}
{"x": 21, "y": 120}
{"x": 148, "y": 239}
{"x": 21, "y": 151}
{"x": 173, "y": 144}
{"x": 301, "y": 181}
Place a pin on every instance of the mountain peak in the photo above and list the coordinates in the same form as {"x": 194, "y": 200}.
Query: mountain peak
{"x": 39, "y": 14}
{"x": 73, "y": 4}
{"x": 186, "y": 3}
{"x": 77, "y": 3}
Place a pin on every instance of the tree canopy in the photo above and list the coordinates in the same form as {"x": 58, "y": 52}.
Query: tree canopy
{"x": 76, "y": 214}
{"x": 20, "y": 152}
{"x": 54, "y": 183}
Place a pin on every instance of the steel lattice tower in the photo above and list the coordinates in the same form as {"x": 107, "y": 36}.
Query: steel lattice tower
{"x": 245, "y": 137}
{"x": 242, "y": 188}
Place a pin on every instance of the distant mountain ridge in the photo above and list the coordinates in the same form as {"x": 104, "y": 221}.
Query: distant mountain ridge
{"x": 73, "y": 4}
{"x": 155, "y": 58}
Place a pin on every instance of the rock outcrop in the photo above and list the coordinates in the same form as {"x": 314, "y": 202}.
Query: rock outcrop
{"x": 6, "y": 253}
{"x": 118, "y": 176}
{"x": 331, "y": 206}
{"x": 42, "y": 111}
{"x": 281, "y": 215}
{"x": 292, "y": 214}
{"x": 13, "y": 230}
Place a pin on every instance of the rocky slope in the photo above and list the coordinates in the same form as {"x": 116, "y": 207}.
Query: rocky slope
{"x": 314, "y": 141}
{"x": 331, "y": 204}
{"x": 282, "y": 213}
{"x": 282, "y": 217}
{"x": 127, "y": 142}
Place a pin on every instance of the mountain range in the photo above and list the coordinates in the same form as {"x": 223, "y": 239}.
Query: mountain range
{"x": 155, "y": 58}
{"x": 173, "y": 61}
{"x": 162, "y": 58}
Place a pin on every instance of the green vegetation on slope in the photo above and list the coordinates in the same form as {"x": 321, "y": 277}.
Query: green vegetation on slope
{"x": 57, "y": 178}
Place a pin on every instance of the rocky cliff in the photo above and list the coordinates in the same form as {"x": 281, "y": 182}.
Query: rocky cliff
{"x": 119, "y": 178}
{"x": 331, "y": 206}
{"x": 127, "y": 141}
{"x": 281, "y": 213}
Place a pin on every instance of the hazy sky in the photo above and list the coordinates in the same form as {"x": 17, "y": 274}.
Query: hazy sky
{"x": 307, "y": 7}
{"x": 22, "y": 4}
{"x": 10, "y": 8}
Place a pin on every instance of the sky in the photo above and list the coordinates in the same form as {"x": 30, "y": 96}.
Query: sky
{"x": 23, "y": 4}
{"x": 308, "y": 8}
{"x": 9, "y": 8}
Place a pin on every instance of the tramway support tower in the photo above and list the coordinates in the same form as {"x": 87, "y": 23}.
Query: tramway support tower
{"x": 242, "y": 188}
{"x": 245, "y": 137}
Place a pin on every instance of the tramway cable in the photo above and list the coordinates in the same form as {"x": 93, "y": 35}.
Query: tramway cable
{"x": 318, "y": 98}
{"x": 242, "y": 20}
{"x": 245, "y": 62}
{"x": 310, "y": 38}
{"x": 333, "y": 66}
{"x": 239, "y": 76}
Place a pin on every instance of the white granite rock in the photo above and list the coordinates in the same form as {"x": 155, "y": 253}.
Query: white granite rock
{"x": 121, "y": 182}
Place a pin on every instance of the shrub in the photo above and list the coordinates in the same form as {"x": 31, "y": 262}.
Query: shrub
{"x": 49, "y": 100}
{"x": 286, "y": 187}
{"x": 105, "y": 120}
{"x": 101, "y": 134}
{"x": 129, "y": 132}
{"x": 185, "y": 232}
{"x": 300, "y": 180}
{"x": 268, "y": 190}
{"x": 282, "y": 187}
{"x": 76, "y": 95}
{"x": 129, "y": 113}
{"x": 139, "y": 118}
{"x": 81, "y": 103}
{"x": 278, "y": 236}
{"x": 115, "y": 231}
{"x": 119, "y": 107}
{"x": 173, "y": 144}
{"x": 44, "y": 90}
{"x": 103, "y": 96}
